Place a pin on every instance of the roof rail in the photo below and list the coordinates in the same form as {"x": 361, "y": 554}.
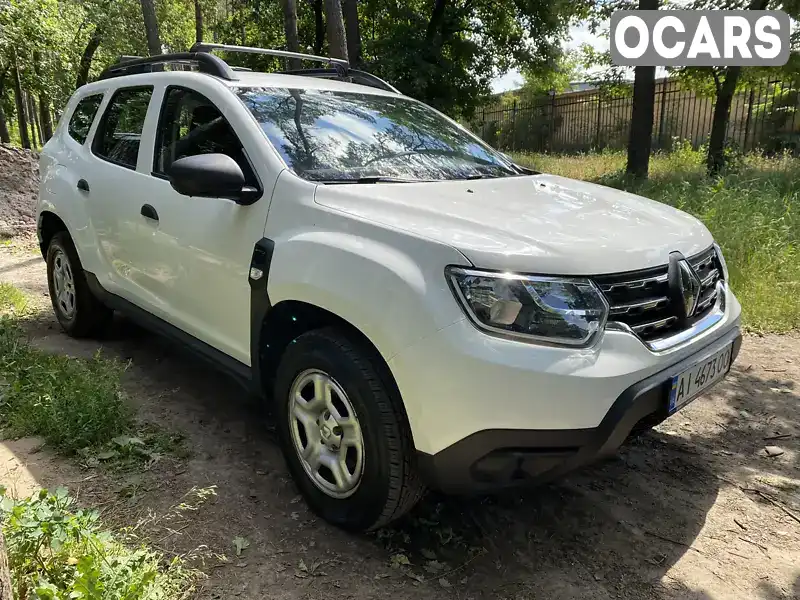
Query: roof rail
{"x": 200, "y": 55}
{"x": 206, "y": 63}
{"x": 337, "y": 63}
{"x": 354, "y": 75}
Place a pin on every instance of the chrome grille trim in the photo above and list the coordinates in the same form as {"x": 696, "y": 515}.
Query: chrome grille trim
{"x": 711, "y": 279}
{"x": 640, "y": 303}
{"x": 649, "y": 304}
{"x": 704, "y": 324}
{"x": 654, "y": 325}
{"x": 634, "y": 284}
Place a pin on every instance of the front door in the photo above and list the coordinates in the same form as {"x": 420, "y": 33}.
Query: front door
{"x": 206, "y": 243}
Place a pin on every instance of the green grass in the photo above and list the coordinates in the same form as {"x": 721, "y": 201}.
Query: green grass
{"x": 753, "y": 211}
{"x": 11, "y": 299}
{"x": 59, "y": 552}
{"x": 71, "y": 403}
{"x": 55, "y": 550}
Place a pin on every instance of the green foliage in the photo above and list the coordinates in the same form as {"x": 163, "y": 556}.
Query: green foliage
{"x": 448, "y": 62}
{"x": 753, "y": 212}
{"x": 71, "y": 403}
{"x": 59, "y": 552}
{"x": 11, "y": 299}
{"x": 553, "y": 76}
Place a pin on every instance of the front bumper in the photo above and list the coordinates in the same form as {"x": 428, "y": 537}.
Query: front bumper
{"x": 497, "y": 458}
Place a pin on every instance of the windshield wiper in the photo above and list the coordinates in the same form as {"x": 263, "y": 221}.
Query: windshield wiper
{"x": 369, "y": 179}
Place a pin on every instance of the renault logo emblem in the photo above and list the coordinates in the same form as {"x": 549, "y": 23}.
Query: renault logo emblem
{"x": 684, "y": 286}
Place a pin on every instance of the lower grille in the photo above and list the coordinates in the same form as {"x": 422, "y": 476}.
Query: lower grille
{"x": 641, "y": 299}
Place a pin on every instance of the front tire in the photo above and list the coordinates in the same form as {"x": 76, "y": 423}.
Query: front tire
{"x": 344, "y": 433}
{"x": 77, "y": 310}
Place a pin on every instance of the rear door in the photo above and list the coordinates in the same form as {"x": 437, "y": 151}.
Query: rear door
{"x": 117, "y": 191}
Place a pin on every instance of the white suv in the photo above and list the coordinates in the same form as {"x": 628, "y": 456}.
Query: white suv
{"x": 418, "y": 310}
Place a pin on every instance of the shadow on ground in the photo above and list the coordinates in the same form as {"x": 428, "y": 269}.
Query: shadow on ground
{"x": 614, "y": 530}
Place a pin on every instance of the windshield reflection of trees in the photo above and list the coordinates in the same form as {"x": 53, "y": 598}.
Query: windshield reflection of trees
{"x": 329, "y": 135}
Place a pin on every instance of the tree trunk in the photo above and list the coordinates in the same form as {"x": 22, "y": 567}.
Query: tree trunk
{"x": 337, "y": 40}
{"x": 88, "y": 54}
{"x": 5, "y": 137}
{"x": 45, "y": 119}
{"x": 722, "y": 110}
{"x": 350, "y": 13}
{"x": 435, "y": 23}
{"x": 644, "y": 99}
{"x": 198, "y": 22}
{"x": 290, "y": 28}
{"x": 45, "y": 122}
{"x": 22, "y": 122}
{"x": 5, "y": 572}
{"x": 36, "y": 130}
{"x": 319, "y": 27}
{"x": 719, "y": 123}
{"x": 641, "y": 132}
{"x": 151, "y": 27}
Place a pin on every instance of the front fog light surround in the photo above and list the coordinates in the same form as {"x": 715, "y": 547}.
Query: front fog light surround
{"x": 565, "y": 311}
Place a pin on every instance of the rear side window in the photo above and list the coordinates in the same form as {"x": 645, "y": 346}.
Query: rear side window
{"x": 82, "y": 118}
{"x": 120, "y": 131}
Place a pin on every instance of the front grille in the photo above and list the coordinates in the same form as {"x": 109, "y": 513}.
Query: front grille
{"x": 641, "y": 299}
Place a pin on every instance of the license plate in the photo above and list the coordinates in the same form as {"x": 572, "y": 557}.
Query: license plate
{"x": 698, "y": 378}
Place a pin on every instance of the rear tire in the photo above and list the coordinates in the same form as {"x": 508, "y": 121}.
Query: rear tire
{"x": 351, "y": 419}
{"x": 77, "y": 310}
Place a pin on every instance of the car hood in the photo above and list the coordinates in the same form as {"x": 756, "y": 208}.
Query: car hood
{"x": 535, "y": 224}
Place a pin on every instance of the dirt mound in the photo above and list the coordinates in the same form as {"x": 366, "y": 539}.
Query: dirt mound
{"x": 19, "y": 183}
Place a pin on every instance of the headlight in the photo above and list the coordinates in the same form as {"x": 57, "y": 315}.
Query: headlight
{"x": 555, "y": 310}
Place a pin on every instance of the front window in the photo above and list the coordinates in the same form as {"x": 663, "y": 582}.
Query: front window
{"x": 343, "y": 136}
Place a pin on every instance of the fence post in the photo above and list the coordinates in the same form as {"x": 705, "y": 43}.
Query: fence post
{"x": 514, "y": 127}
{"x": 661, "y": 117}
{"x": 750, "y": 100}
{"x": 552, "y": 133}
{"x": 597, "y": 126}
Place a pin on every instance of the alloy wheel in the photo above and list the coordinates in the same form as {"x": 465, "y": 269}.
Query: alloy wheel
{"x": 63, "y": 284}
{"x": 326, "y": 433}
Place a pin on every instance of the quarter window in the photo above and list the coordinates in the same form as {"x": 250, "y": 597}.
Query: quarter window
{"x": 190, "y": 124}
{"x": 83, "y": 116}
{"x": 120, "y": 131}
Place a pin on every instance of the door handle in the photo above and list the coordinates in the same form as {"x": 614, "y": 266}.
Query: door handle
{"x": 149, "y": 212}
{"x": 83, "y": 185}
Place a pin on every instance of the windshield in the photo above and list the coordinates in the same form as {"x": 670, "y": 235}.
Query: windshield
{"x": 343, "y": 136}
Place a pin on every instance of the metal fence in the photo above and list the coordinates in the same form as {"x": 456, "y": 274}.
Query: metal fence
{"x": 764, "y": 117}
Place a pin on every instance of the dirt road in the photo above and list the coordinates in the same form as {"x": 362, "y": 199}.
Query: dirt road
{"x": 695, "y": 509}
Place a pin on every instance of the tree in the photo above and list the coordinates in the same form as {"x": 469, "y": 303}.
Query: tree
{"x": 5, "y": 136}
{"x": 290, "y": 28}
{"x": 644, "y": 99}
{"x": 45, "y": 121}
{"x": 337, "y": 39}
{"x": 22, "y": 121}
{"x": 88, "y": 54}
{"x": 151, "y": 27}
{"x": 198, "y": 21}
{"x": 319, "y": 27}
{"x": 553, "y": 76}
{"x": 725, "y": 88}
{"x": 353, "y": 30}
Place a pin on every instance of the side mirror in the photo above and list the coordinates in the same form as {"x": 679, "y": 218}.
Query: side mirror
{"x": 211, "y": 176}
